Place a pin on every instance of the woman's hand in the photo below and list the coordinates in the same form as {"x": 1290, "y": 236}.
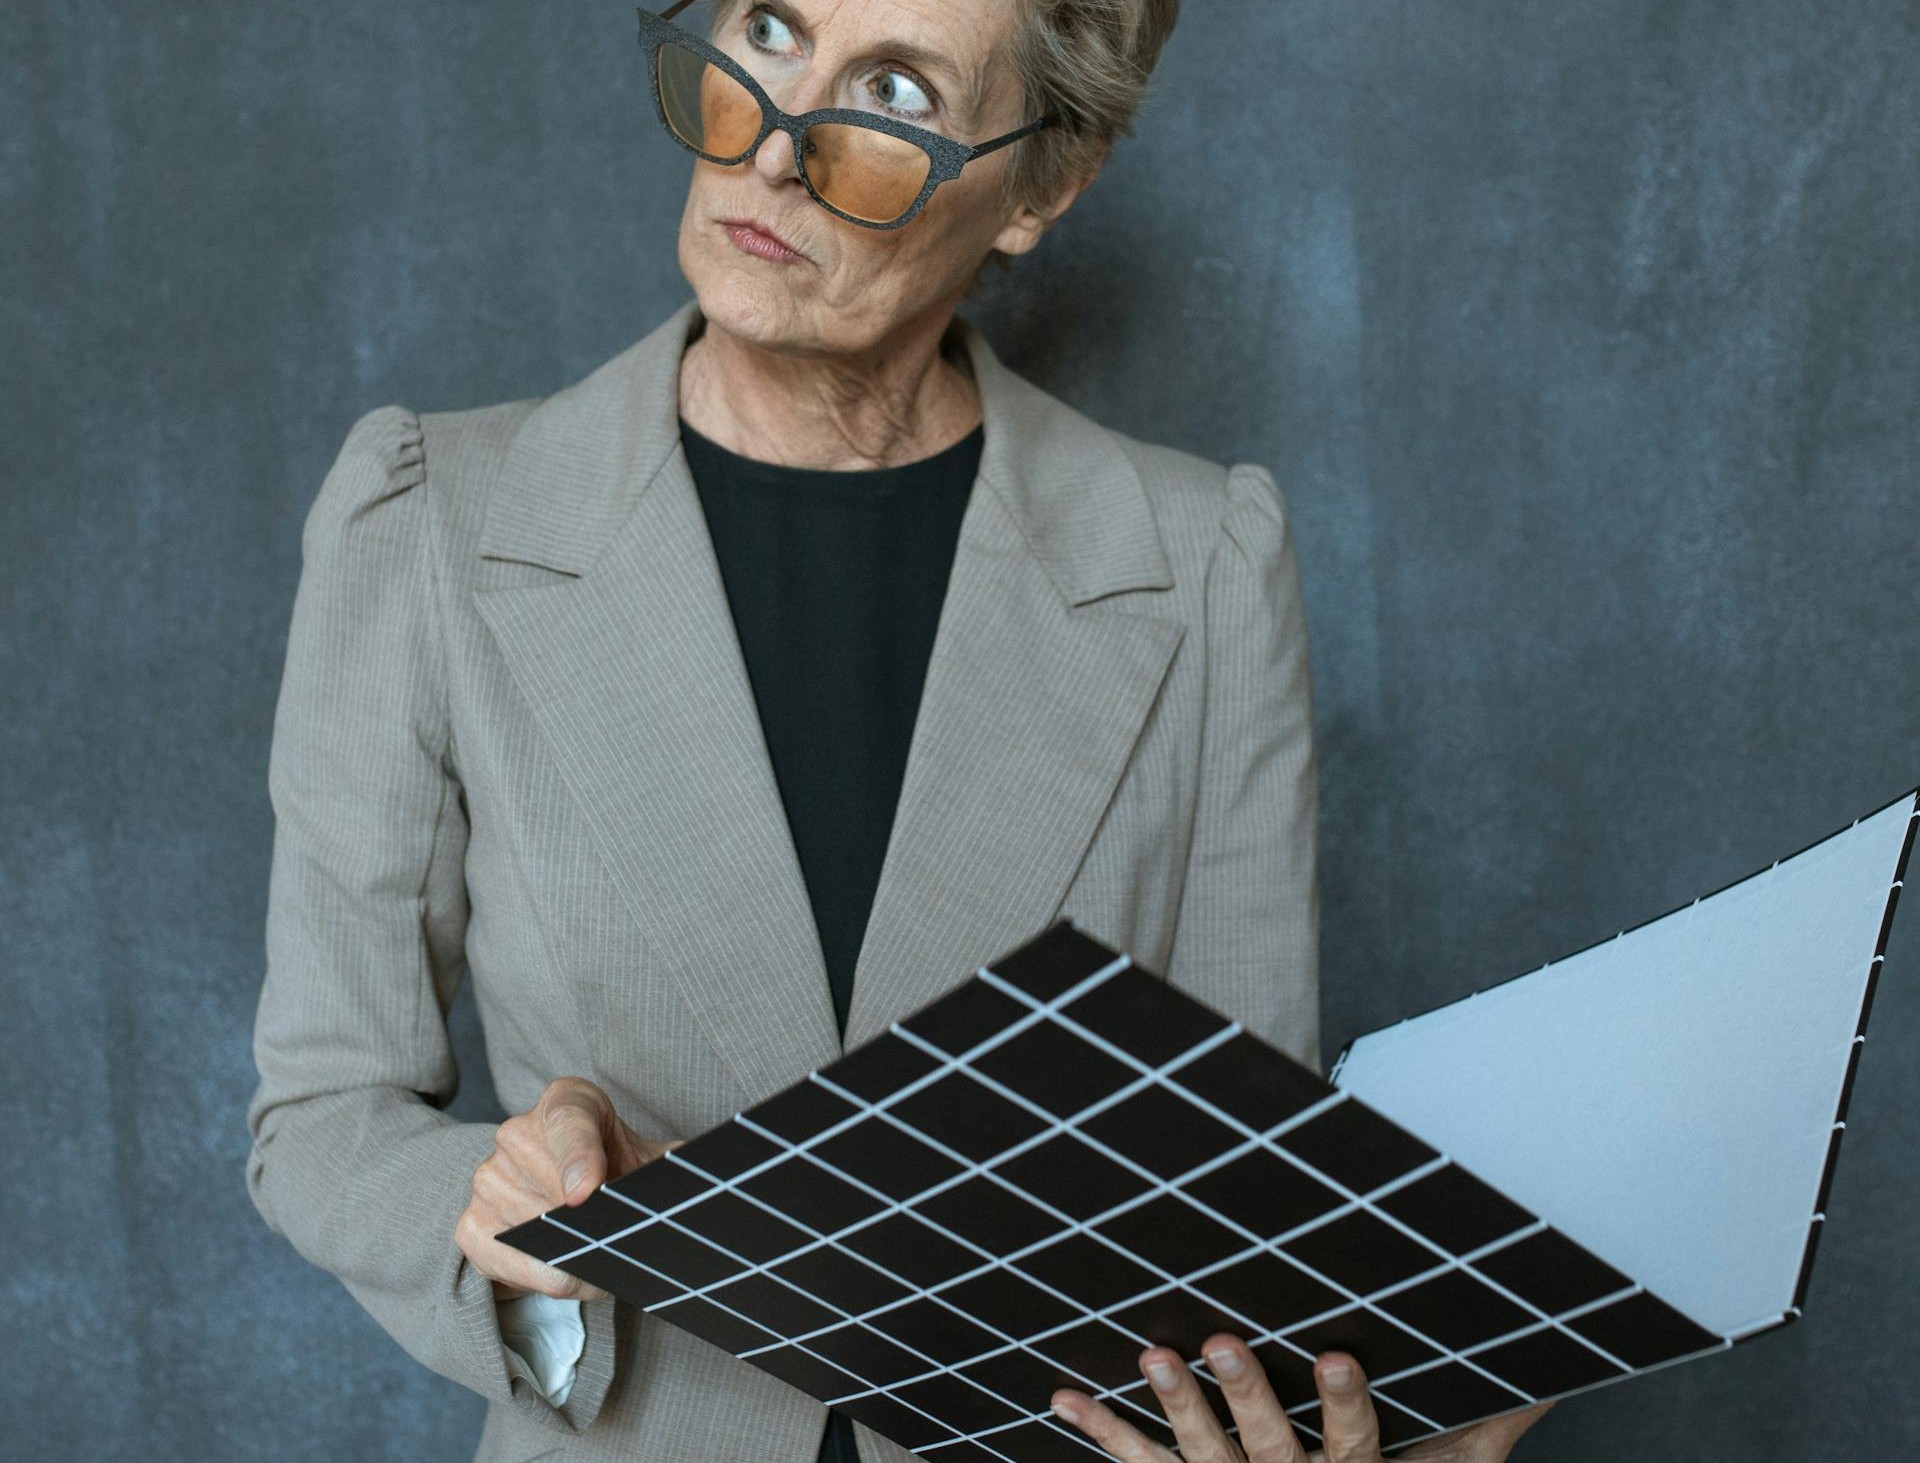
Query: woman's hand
{"x": 568, "y": 1144}
{"x": 1352, "y": 1431}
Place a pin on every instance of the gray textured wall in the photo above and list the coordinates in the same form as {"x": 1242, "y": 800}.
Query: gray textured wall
{"x": 1583, "y": 339}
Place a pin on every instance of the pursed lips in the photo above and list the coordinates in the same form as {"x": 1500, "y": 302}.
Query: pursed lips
{"x": 762, "y": 230}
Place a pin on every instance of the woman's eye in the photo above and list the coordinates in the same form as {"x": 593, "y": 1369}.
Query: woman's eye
{"x": 767, "y": 31}
{"x": 897, "y": 91}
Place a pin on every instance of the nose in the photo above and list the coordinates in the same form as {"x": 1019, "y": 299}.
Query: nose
{"x": 775, "y": 160}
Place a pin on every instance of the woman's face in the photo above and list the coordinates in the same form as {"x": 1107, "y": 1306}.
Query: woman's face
{"x": 853, "y": 287}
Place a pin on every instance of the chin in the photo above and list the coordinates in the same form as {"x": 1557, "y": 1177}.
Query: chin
{"x": 732, "y": 298}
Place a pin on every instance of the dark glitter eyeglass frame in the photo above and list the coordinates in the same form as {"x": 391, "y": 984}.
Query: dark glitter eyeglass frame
{"x": 946, "y": 156}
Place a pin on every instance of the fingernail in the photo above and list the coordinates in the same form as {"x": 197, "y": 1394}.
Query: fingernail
{"x": 1226, "y": 1364}
{"x": 1339, "y": 1376}
{"x": 1161, "y": 1375}
{"x": 1064, "y": 1411}
{"x": 571, "y": 1179}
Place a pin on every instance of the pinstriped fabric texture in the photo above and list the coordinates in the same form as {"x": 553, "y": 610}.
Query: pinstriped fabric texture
{"x": 515, "y": 744}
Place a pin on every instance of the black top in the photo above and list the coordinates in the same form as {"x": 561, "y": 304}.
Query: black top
{"x": 835, "y": 581}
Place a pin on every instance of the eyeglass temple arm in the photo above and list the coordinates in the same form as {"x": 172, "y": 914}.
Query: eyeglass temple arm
{"x": 675, "y": 9}
{"x": 1034, "y": 126}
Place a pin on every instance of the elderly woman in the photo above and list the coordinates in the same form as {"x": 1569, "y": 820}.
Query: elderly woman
{"x": 728, "y": 705}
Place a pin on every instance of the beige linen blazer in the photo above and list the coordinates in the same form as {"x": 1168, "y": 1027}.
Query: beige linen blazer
{"x": 515, "y": 742}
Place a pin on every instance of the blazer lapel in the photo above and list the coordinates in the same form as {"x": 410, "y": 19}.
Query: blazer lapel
{"x": 1034, "y": 699}
{"x": 628, "y": 659}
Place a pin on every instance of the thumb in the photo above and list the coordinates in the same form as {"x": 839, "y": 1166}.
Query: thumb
{"x": 581, "y": 1128}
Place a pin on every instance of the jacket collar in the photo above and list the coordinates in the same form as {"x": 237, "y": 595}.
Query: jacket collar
{"x": 626, "y": 657}
{"x": 604, "y": 439}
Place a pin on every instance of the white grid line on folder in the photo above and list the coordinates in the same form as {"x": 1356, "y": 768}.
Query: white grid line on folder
{"x": 1045, "y": 1011}
{"x": 1265, "y": 1140}
{"x": 1154, "y": 1187}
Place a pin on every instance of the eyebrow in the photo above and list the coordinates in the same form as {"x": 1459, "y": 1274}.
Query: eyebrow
{"x": 966, "y": 104}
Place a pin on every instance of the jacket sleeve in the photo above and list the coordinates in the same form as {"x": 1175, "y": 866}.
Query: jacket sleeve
{"x": 353, "y": 1157}
{"x": 1247, "y": 938}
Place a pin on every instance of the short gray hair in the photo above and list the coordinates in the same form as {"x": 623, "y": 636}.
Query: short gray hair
{"x": 1088, "y": 60}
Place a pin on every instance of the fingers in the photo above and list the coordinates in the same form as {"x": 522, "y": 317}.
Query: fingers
{"x": 514, "y": 1178}
{"x": 559, "y": 1152}
{"x": 1098, "y": 1421}
{"x": 1352, "y": 1427}
{"x": 1177, "y": 1390}
{"x": 559, "y": 1284}
{"x": 515, "y": 1270}
{"x": 1495, "y": 1438}
{"x": 1265, "y": 1434}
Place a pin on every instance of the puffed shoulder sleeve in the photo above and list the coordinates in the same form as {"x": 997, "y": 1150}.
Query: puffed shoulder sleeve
{"x": 1247, "y": 939}
{"x": 353, "y": 1158}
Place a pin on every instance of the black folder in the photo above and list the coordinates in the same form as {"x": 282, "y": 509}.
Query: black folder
{"x": 1611, "y": 1164}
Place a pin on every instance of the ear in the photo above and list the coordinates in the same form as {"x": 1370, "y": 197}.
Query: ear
{"x": 1026, "y": 226}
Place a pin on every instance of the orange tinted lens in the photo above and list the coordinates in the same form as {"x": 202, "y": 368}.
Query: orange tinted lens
{"x": 869, "y": 174}
{"x": 704, "y": 105}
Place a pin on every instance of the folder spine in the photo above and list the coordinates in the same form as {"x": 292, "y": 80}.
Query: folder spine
{"x": 1817, "y": 1224}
